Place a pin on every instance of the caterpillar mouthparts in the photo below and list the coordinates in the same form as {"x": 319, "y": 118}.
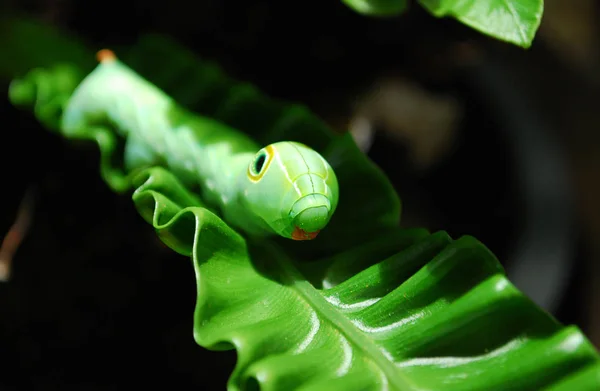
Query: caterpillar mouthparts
{"x": 300, "y": 234}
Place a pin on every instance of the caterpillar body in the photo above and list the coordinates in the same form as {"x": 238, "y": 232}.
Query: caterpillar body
{"x": 285, "y": 188}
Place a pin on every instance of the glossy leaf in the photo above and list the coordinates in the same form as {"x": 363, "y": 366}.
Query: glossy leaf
{"x": 439, "y": 314}
{"x": 514, "y": 21}
{"x": 402, "y": 310}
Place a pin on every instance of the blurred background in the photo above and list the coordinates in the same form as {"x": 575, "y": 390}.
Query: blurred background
{"x": 479, "y": 137}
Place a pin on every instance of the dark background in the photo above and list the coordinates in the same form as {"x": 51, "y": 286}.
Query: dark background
{"x": 113, "y": 307}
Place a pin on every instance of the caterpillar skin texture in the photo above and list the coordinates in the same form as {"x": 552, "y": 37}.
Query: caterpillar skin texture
{"x": 285, "y": 188}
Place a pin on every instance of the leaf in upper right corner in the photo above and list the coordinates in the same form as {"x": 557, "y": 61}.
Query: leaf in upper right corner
{"x": 514, "y": 21}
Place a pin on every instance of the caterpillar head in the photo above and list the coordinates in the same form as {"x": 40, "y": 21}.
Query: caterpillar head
{"x": 292, "y": 189}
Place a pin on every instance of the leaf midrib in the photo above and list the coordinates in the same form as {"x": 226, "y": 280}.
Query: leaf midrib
{"x": 517, "y": 19}
{"x": 329, "y": 313}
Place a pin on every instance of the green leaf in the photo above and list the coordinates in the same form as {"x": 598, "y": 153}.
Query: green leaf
{"x": 514, "y": 21}
{"x": 439, "y": 314}
{"x": 377, "y": 7}
{"x": 397, "y": 309}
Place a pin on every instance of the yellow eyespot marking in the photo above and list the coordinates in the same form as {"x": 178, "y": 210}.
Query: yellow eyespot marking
{"x": 260, "y": 164}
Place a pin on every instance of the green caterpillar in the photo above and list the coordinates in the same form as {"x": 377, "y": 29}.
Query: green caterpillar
{"x": 285, "y": 188}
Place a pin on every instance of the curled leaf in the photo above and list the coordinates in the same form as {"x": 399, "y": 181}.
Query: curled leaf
{"x": 438, "y": 314}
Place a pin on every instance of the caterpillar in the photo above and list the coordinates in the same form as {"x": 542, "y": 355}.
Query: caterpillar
{"x": 285, "y": 188}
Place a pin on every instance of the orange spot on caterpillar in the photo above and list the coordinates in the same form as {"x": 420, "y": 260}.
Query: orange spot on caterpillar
{"x": 300, "y": 234}
{"x": 106, "y": 55}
